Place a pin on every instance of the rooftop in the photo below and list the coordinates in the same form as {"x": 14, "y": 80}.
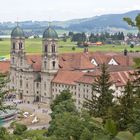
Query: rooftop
{"x": 17, "y": 32}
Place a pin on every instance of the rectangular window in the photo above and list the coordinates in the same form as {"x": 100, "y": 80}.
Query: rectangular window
{"x": 26, "y": 85}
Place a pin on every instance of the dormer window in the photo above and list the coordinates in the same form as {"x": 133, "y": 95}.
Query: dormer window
{"x": 112, "y": 62}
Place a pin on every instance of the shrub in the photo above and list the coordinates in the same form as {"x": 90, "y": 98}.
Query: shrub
{"x": 19, "y": 129}
{"x": 73, "y": 48}
{"x": 132, "y": 46}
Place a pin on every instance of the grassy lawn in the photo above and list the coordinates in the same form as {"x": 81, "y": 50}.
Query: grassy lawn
{"x": 35, "y": 46}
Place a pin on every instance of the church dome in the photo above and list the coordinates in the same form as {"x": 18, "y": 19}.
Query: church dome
{"x": 50, "y": 33}
{"x": 17, "y": 32}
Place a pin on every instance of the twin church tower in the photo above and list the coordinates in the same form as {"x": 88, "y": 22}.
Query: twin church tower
{"x": 31, "y": 75}
{"x": 49, "y": 48}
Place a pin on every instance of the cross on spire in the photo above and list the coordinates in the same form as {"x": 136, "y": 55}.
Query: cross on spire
{"x": 17, "y": 22}
{"x": 49, "y": 23}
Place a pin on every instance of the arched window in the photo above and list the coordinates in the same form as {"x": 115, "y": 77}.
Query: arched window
{"x": 27, "y": 85}
{"x": 45, "y": 64}
{"x": 46, "y": 48}
{"x": 14, "y": 46}
{"x": 53, "y": 48}
{"x": 53, "y": 64}
{"x": 20, "y": 45}
{"x": 13, "y": 59}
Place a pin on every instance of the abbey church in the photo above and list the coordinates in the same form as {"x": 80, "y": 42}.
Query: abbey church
{"x": 40, "y": 78}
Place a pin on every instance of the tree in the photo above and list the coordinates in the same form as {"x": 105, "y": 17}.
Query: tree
{"x": 79, "y": 37}
{"x": 136, "y": 81}
{"x": 132, "y": 46}
{"x": 67, "y": 125}
{"x": 3, "y": 132}
{"x": 64, "y": 37}
{"x": 5, "y": 135}
{"x": 65, "y": 95}
{"x": 135, "y": 23}
{"x": 110, "y": 127}
{"x": 102, "y": 95}
{"x": 70, "y": 34}
{"x": 73, "y": 48}
{"x": 124, "y": 111}
{"x": 62, "y": 103}
{"x": 19, "y": 129}
{"x": 86, "y": 135}
{"x": 3, "y": 91}
{"x": 64, "y": 106}
{"x": 134, "y": 127}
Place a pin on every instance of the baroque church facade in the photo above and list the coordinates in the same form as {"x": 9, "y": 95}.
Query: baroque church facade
{"x": 40, "y": 78}
{"x": 30, "y": 83}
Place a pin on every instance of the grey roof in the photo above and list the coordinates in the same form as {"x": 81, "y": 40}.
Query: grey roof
{"x": 50, "y": 33}
{"x": 17, "y": 32}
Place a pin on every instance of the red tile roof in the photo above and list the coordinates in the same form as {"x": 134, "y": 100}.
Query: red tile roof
{"x": 72, "y": 61}
{"x": 79, "y": 61}
{"x": 75, "y": 61}
{"x": 118, "y": 78}
{"x": 4, "y": 66}
{"x": 34, "y": 61}
{"x": 101, "y": 57}
{"x": 67, "y": 77}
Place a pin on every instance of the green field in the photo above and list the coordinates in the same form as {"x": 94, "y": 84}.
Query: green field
{"x": 35, "y": 46}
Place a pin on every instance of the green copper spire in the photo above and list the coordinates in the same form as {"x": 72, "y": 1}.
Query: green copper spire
{"x": 50, "y": 33}
{"x": 17, "y": 32}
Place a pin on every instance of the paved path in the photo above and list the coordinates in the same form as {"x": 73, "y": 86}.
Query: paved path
{"x": 39, "y": 127}
{"x": 41, "y": 111}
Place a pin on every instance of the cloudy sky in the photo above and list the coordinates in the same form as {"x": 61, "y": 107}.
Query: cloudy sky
{"x": 11, "y": 10}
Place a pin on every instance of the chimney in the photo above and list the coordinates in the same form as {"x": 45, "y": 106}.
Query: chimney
{"x": 85, "y": 47}
{"x": 125, "y": 52}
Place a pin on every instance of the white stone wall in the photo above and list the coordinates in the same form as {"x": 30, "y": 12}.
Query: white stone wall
{"x": 80, "y": 91}
{"x": 58, "y": 88}
{"x": 46, "y": 87}
{"x": 83, "y": 91}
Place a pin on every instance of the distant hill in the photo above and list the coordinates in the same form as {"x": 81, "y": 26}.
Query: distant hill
{"x": 110, "y": 22}
{"x": 104, "y": 22}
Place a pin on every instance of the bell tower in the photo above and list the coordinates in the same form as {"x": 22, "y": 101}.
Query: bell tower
{"x": 49, "y": 63}
{"x": 17, "y": 45}
{"x": 50, "y": 52}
